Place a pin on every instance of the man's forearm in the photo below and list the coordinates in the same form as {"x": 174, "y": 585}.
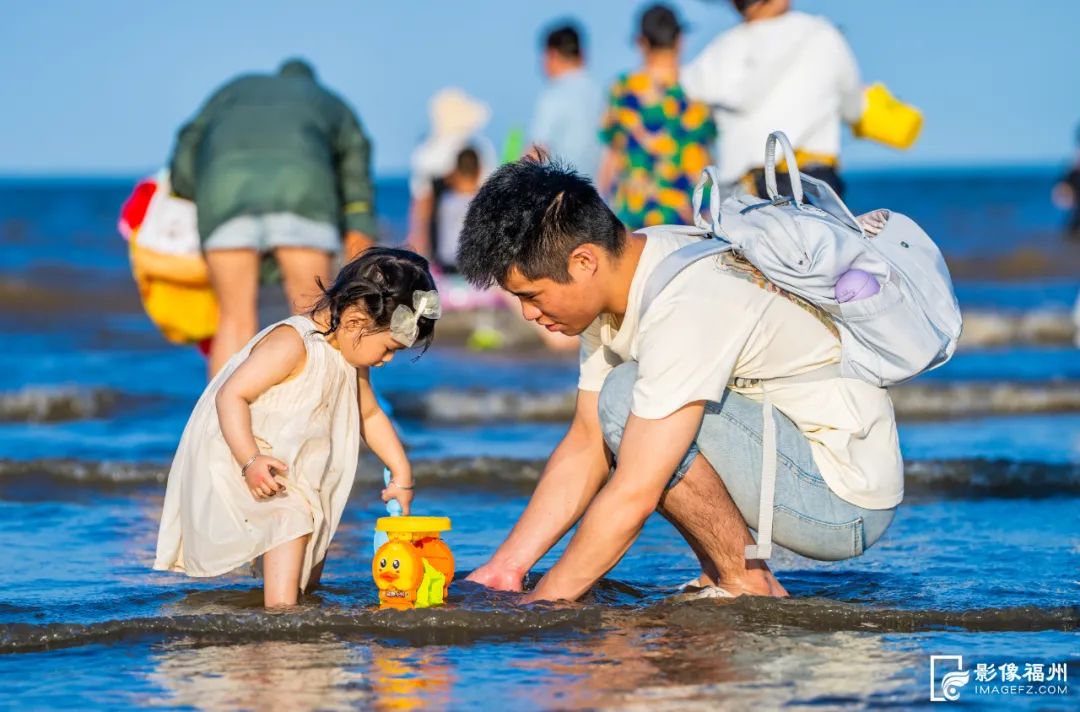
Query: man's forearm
{"x": 649, "y": 453}
{"x": 611, "y": 525}
{"x": 573, "y": 476}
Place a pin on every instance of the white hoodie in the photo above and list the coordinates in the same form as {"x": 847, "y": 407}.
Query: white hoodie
{"x": 794, "y": 72}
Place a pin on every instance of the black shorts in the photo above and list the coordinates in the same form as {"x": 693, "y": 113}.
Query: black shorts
{"x": 783, "y": 181}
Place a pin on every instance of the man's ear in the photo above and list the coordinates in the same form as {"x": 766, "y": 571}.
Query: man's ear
{"x": 584, "y": 260}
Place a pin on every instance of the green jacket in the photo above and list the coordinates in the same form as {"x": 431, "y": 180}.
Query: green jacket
{"x": 276, "y": 143}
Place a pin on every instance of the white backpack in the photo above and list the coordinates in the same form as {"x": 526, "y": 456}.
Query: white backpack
{"x": 910, "y": 326}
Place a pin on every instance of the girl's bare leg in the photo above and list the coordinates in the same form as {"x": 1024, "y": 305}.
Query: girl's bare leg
{"x": 281, "y": 573}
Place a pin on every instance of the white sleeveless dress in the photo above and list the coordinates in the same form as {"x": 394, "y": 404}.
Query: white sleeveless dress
{"x": 211, "y": 524}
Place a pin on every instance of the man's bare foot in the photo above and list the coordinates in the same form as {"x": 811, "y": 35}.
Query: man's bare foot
{"x": 753, "y": 587}
{"x": 755, "y": 581}
{"x": 775, "y": 588}
{"x": 701, "y": 581}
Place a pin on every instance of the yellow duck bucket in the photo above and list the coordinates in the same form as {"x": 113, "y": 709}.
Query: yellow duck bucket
{"x": 414, "y": 568}
{"x": 888, "y": 120}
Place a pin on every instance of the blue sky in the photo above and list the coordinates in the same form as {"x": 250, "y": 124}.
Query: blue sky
{"x": 100, "y": 86}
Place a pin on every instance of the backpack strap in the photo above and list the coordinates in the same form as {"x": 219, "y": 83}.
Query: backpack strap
{"x": 792, "y": 168}
{"x": 821, "y": 194}
{"x": 673, "y": 265}
{"x": 763, "y": 548}
{"x": 709, "y": 177}
{"x": 821, "y": 373}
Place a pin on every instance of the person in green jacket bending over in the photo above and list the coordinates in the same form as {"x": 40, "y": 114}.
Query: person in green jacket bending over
{"x": 275, "y": 164}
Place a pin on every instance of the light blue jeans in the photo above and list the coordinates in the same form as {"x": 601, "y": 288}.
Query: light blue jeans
{"x": 808, "y": 518}
{"x": 266, "y": 232}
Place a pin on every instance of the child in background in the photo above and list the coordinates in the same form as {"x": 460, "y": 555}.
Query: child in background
{"x": 1066, "y": 194}
{"x": 452, "y": 197}
{"x": 267, "y": 460}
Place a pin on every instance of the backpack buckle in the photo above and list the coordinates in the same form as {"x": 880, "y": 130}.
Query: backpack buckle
{"x": 778, "y": 201}
{"x": 755, "y": 206}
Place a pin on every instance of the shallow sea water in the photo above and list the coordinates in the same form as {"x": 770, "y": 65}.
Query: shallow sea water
{"x": 983, "y": 559}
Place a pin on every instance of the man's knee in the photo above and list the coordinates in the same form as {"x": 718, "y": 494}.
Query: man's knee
{"x": 615, "y": 400}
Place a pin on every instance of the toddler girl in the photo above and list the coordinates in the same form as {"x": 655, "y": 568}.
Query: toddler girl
{"x": 267, "y": 460}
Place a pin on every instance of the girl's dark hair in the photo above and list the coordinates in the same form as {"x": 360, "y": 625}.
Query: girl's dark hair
{"x": 377, "y": 281}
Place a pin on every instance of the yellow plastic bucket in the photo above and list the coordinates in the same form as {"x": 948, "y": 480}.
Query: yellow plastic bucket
{"x": 414, "y": 568}
{"x": 887, "y": 120}
{"x": 176, "y": 293}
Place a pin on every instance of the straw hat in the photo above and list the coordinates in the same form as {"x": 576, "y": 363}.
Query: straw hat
{"x": 453, "y": 112}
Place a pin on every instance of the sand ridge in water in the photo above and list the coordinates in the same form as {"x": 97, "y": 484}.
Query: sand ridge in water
{"x": 55, "y": 404}
{"x": 919, "y": 401}
{"x": 486, "y": 616}
{"x": 965, "y": 478}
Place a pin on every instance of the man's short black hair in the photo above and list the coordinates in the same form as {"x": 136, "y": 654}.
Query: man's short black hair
{"x": 565, "y": 40}
{"x": 531, "y": 214}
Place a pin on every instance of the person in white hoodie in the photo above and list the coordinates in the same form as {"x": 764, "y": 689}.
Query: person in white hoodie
{"x": 777, "y": 70}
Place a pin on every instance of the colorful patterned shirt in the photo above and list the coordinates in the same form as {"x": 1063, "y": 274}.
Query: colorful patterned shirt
{"x": 662, "y": 142}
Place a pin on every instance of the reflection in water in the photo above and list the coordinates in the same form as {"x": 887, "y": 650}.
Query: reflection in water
{"x": 409, "y": 678}
{"x": 294, "y": 676}
{"x": 679, "y": 668}
{"x": 272, "y": 675}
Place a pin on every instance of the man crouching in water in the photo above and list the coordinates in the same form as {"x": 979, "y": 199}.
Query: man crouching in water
{"x": 671, "y": 399}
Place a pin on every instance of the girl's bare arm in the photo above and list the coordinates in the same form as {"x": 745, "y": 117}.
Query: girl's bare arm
{"x": 379, "y": 434}
{"x": 275, "y": 359}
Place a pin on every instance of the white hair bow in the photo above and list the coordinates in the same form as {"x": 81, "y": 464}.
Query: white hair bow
{"x": 405, "y": 322}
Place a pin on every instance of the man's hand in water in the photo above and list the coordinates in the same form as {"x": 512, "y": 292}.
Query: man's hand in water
{"x": 497, "y": 577}
{"x": 649, "y": 452}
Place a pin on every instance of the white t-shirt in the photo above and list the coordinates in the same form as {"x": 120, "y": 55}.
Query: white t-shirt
{"x": 718, "y": 320}
{"x": 794, "y": 72}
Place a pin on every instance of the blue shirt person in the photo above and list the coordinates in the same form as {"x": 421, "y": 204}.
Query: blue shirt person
{"x": 569, "y": 108}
